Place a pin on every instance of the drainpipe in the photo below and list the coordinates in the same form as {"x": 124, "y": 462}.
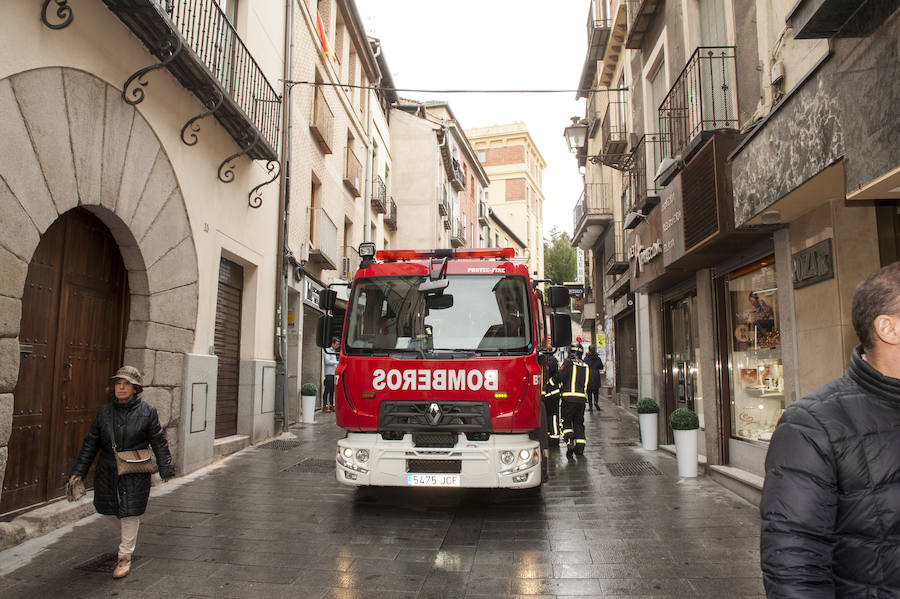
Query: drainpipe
{"x": 369, "y": 174}
{"x": 283, "y": 265}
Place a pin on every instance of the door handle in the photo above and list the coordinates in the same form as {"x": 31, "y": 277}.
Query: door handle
{"x": 67, "y": 372}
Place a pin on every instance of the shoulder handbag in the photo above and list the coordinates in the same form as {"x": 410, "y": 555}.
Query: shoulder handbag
{"x": 131, "y": 461}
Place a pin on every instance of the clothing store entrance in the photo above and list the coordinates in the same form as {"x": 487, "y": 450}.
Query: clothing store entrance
{"x": 71, "y": 340}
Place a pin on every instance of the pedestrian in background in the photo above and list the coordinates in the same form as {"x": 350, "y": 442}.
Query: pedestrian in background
{"x": 135, "y": 425}
{"x": 573, "y": 380}
{"x": 831, "y": 500}
{"x": 331, "y": 358}
{"x": 595, "y": 364}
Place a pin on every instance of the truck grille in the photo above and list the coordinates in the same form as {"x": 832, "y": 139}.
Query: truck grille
{"x": 434, "y": 439}
{"x": 434, "y": 466}
{"x": 455, "y": 416}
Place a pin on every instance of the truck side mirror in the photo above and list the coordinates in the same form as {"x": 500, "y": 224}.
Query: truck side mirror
{"x": 323, "y": 331}
{"x": 327, "y": 297}
{"x": 560, "y": 330}
{"x": 557, "y": 296}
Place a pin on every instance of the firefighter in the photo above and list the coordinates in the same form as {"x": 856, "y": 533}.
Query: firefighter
{"x": 573, "y": 379}
{"x": 550, "y": 395}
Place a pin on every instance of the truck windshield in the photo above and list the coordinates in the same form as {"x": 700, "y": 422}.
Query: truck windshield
{"x": 480, "y": 313}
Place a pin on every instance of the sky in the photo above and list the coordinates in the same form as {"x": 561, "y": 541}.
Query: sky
{"x": 495, "y": 44}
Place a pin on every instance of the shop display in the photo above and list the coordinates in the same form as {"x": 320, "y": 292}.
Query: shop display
{"x": 757, "y": 374}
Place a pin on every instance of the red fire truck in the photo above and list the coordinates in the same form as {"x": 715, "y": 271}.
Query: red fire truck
{"x": 440, "y": 374}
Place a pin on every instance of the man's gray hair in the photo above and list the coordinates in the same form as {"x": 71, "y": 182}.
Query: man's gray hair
{"x": 878, "y": 294}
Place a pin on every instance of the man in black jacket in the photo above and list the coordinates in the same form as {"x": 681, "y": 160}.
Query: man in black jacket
{"x": 595, "y": 364}
{"x": 831, "y": 500}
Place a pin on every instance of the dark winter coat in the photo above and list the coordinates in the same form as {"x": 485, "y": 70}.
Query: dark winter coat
{"x": 595, "y": 363}
{"x": 831, "y": 500}
{"x": 136, "y": 426}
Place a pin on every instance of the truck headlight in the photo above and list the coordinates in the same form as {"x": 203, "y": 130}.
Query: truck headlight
{"x": 524, "y": 454}
{"x": 348, "y": 453}
{"x": 362, "y": 456}
{"x": 507, "y": 457}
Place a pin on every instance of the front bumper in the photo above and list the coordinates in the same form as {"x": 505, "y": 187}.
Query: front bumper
{"x": 479, "y": 462}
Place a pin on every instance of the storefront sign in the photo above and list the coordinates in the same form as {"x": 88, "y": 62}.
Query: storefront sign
{"x": 813, "y": 265}
{"x": 671, "y": 209}
{"x": 644, "y": 247}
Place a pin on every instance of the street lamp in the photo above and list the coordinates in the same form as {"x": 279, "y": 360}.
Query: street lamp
{"x": 576, "y": 135}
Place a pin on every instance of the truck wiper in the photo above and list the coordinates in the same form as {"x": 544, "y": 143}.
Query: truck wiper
{"x": 399, "y": 353}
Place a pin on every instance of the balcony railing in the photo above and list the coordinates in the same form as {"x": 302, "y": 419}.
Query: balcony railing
{"x": 614, "y": 250}
{"x": 457, "y": 176}
{"x": 614, "y": 135}
{"x": 483, "y": 214}
{"x": 350, "y": 262}
{"x": 641, "y": 190}
{"x": 352, "y": 172}
{"x": 195, "y": 42}
{"x": 458, "y": 234}
{"x": 598, "y": 29}
{"x": 703, "y": 98}
{"x": 594, "y": 207}
{"x": 379, "y": 195}
{"x": 323, "y": 249}
{"x": 390, "y": 216}
{"x": 322, "y": 124}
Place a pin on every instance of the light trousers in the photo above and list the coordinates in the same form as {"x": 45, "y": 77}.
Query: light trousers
{"x": 129, "y": 535}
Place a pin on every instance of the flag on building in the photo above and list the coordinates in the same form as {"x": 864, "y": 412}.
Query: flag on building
{"x": 323, "y": 39}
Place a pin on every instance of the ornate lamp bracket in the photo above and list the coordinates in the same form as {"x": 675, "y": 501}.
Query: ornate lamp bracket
{"x": 226, "y": 169}
{"x": 274, "y": 168}
{"x": 63, "y": 13}
{"x": 214, "y": 102}
{"x": 170, "y": 48}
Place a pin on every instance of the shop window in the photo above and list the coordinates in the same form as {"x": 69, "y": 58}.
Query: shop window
{"x": 754, "y": 362}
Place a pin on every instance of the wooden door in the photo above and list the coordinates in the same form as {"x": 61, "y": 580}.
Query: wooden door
{"x": 228, "y": 346}
{"x": 71, "y": 340}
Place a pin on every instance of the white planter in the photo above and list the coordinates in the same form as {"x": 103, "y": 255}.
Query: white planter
{"x": 649, "y": 427}
{"x": 686, "y": 452}
{"x": 308, "y": 408}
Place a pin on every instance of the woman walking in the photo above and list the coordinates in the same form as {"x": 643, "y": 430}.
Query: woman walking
{"x": 135, "y": 425}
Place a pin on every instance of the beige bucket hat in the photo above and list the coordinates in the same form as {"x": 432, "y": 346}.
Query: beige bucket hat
{"x": 130, "y": 374}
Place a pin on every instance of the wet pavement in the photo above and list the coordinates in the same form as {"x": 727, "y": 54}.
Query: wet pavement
{"x": 273, "y": 522}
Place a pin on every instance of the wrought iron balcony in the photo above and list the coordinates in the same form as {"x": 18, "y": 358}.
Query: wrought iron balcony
{"x": 195, "y": 42}
{"x": 614, "y": 135}
{"x": 598, "y": 29}
{"x": 614, "y": 251}
{"x": 457, "y": 176}
{"x": 322, "y": 125}
{"x": 640, "y": 17}
{"x": 458, "y": 234}
{"x": 641, "y": 190}
{"x": 593, "y": 213}
{"x": 483, "y": 214}
{"x": 702, "y": 100}
{"x": 323, "y": 247}
{"x": 379, "y": 195}
{"x": 353, "y": 173}
{"x": 390, "y": 217}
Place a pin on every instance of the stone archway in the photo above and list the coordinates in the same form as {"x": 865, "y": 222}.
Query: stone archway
{"x": 70, "y": 140}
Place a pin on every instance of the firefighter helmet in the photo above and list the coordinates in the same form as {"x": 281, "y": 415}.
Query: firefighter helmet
{"x": 576, "y": 350}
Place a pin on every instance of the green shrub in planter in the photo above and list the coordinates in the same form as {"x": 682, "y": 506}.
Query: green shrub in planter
{"x": 308, "y": 389}
{"x": 684, "y": 419}
{"x": 647, "y": 405}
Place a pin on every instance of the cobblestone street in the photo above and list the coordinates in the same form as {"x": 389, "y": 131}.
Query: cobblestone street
{"x": 271, "y": 521}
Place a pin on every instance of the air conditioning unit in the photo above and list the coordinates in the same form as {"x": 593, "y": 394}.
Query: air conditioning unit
{"x": 304, "y": 253}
